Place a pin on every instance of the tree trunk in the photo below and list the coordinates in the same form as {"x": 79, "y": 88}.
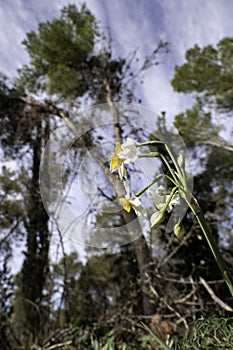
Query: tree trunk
{"x": 142, "y": 251}
{"x": 35, "y": 266}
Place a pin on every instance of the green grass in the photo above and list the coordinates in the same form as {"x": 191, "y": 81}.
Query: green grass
{"x": 208, "y": 334}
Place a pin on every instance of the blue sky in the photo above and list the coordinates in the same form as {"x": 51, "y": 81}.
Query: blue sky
{"x": 132, "y": 24}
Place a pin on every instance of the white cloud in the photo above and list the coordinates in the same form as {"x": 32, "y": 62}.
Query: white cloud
{"x": 197, "y": 22}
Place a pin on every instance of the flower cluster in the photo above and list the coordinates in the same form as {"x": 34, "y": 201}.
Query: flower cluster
{"x": 163, "y": 201}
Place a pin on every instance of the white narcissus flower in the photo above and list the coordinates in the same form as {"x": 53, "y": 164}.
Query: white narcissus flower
{"x": 131, "y": 201}
{"x": 124, "y": 154}
{"x": 129, "y": 152}
{"x": 158, "y": 198}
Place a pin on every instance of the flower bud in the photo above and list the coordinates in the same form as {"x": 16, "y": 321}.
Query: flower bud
{"x": 156, "y": 218}
{"x": 180, "y": 161}
{"x": 179, "y": 230}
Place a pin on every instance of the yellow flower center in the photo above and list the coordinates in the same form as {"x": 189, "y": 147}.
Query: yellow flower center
{"x": 125, "y": 204}
{"x": 115, "y": 161}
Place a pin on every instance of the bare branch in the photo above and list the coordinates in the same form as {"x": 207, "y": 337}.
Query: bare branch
{"x": 186, "y": 297}
{"x": 214, "y": 296}
{"x": 225, "y": 145}
{"x": 60, "y": 345}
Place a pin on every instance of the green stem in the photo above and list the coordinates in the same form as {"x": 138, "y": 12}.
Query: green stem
{"x": 149, "y": 185}
{"x": 194, "y": 206}
{"x": 175, "y": 180}
{"x": 148, "y": 143}
{"x": 172, "y": 172}
{"x": 154, "y": 335}
{"x": 170, "y": 198}
{"x": 184, "y": 179}
{"x": 180, "y": 175}
{"x": 149, "y": 155}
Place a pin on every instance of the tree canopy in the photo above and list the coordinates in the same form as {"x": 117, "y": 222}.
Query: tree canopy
{"x": 208, "y": 74}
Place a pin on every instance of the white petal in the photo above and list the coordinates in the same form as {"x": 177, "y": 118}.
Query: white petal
{"x": 135, "y": 201}
{"x": 175, "y": 200}
{"x": 128, "y": 142}
{"x": 155, "y": 198}
{"x": 129, "y": 153}
{"x": 122, "y": 172}
{"x": 127, "y": 189}
{"x": 139, "y": 210}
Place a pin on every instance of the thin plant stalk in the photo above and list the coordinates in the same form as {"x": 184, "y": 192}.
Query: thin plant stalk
{"x": 178, "y": 178}
{"x": 194, "y": 206}
{"x": 164, "y": 346}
